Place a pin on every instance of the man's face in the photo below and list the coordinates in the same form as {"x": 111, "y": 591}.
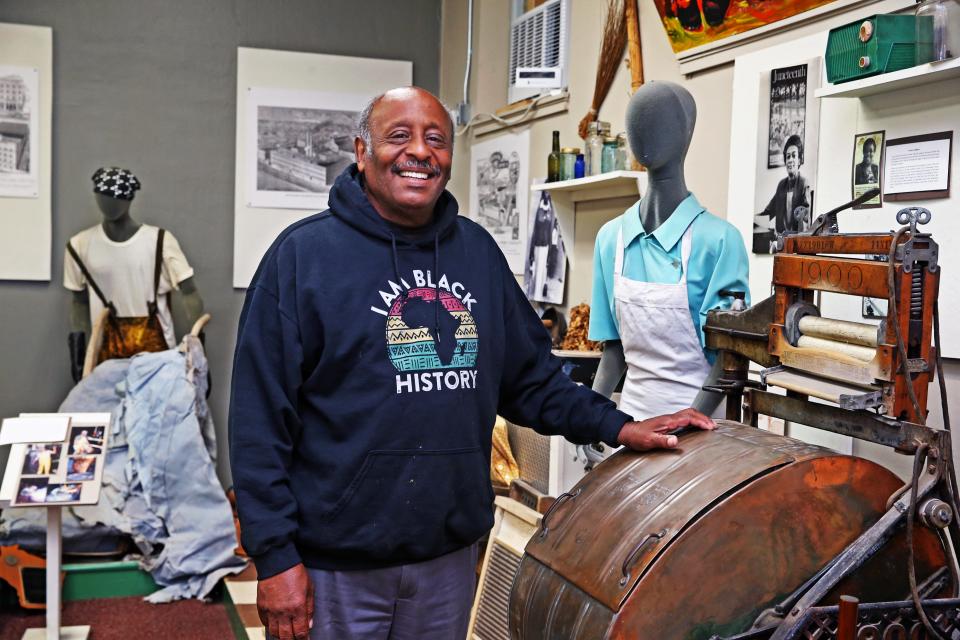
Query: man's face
{"x": 791, "y": 158}
{"x": 409, "y": 165}
{"x": 868, "y": 154}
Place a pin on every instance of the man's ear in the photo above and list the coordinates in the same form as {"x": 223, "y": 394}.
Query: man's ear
{"x": 360, "y": 150}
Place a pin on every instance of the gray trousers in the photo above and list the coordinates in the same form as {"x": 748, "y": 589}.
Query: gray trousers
{"x": 428, "y": 600}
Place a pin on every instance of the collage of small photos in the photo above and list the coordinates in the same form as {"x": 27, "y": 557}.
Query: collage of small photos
{"x": 63, "y": 472}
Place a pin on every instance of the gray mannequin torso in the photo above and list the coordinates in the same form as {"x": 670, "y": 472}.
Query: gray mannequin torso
{"x": 660, "y": 120}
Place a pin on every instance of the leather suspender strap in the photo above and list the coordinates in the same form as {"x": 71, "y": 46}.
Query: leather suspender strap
{"x": 86, "y": 274}
{"x": 157, "y": 263}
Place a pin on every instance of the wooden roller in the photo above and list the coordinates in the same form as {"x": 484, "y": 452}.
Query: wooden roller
{"x": 832, "y": 346}
{"x": 859, "y": 333}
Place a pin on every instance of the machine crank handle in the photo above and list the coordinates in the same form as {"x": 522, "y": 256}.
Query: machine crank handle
{"x": 625, "y": 569}
{"x": 563, "y": 497}
{"x": 827, "y": 222}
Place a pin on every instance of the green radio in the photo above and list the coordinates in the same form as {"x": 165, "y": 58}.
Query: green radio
{"x": 878, "y": 44}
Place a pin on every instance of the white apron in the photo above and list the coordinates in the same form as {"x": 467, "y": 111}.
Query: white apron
{"x": 665, "y": 362}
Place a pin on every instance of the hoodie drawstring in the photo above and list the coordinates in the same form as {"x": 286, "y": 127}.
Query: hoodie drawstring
{"x": 436, "y": 286}
{"x": 436, "y": 278}
{"x": 396, "y": 261}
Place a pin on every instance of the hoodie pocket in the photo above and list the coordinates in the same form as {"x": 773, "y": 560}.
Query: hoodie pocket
{"x": 411, "y": 503}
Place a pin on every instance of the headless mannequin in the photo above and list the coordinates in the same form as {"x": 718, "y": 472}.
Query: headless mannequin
{"x": 120, "y": 227}
{"x": 660, "y": 121}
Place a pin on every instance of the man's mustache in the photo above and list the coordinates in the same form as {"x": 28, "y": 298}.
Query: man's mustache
{"x": 423, "y": 166}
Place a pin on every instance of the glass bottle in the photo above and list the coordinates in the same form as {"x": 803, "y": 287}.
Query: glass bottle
{"x": 623, "y": 153}
{"x": 938, "y": 30}
{"x": 568, "y": 159}
{"x": 608, "y": 160}
{"x": 553, "y": 160}
{"x": 593, "y": 142}
{"x": 579, "y": 166}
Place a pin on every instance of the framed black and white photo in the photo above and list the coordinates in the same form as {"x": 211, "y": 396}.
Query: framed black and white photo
{"x": 918, "y": 167}
{"x": 546, "y": 265}
{"x": 867, "y": 167}
{"x": 499, "y": 185}
{"x": 787, "y": 154}
{"x": 19, "y": 132}
{"x": 303, "y": 140}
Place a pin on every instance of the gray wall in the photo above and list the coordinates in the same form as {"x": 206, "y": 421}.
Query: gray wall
{"x": 151, "y": 86}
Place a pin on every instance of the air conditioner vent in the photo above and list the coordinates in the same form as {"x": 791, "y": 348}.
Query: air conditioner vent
{"x": 538, "y": 39}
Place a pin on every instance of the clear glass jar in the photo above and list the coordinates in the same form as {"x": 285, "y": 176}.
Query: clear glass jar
{"x": 608, "y": 161}
{"x": 623, "y": 152}
{"x": 593, "y": 142}
{"x": 938, "y": 30}
{"x": 568, "y": 161}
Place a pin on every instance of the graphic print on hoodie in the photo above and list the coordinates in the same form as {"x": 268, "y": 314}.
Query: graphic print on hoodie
{"x": 431, "y": 348}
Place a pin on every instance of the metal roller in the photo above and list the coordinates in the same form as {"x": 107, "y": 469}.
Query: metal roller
{"x": 841, "y": 348}
{"x": 859, "y": 333}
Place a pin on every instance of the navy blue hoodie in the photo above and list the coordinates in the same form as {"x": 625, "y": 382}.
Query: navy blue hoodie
{"x": 361, "y": 410}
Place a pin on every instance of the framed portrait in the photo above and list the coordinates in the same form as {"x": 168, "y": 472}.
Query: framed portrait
{"x": 867, "y": 167}
{"x": 787, "y": 152}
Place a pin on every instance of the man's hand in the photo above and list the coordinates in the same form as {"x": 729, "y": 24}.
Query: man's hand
{"x": 285, "y": 604}
{"x": 653, "y": 433}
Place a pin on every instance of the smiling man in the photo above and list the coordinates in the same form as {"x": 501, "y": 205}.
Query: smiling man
{"x": 377, "y": 343}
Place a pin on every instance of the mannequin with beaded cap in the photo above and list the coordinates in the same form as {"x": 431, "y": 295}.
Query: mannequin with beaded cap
{"x": 114, "y": 190}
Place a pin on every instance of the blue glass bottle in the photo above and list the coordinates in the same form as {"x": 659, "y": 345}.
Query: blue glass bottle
{"x": 579, "y": 166}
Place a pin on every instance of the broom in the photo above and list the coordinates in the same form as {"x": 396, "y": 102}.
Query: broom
{"x": 611, "y": 49}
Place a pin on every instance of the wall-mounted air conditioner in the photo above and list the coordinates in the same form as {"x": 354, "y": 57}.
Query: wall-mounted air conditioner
{"x": 539, "y": 45}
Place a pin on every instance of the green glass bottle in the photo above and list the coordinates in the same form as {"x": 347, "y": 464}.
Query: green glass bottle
{"x": 553, "y": 160}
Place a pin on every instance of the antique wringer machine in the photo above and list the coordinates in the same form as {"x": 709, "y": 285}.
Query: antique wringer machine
{"x": 742, "y": 534}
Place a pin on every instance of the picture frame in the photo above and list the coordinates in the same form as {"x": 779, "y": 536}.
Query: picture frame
{"x": 920, "y": 168}
{"x": 867, "y": 167}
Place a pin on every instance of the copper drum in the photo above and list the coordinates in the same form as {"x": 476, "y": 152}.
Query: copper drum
{"x": 699, "y": 541}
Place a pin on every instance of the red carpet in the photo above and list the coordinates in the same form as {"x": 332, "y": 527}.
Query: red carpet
{"x": 127, "y": 618}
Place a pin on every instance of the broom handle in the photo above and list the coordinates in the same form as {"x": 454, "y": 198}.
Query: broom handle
{"x": 633, "y": 40}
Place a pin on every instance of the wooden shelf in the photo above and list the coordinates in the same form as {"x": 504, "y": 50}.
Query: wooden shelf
{"x": 613, "y": 184}
{"x": 904, "y": 79}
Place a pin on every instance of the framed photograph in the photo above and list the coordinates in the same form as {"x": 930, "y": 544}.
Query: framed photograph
{"x": 875, "y": 308}
{"x": 786, "y": 169}
{"x": 867, "y": 167}
{"x": 546, "y": 263}
{"x": 918, "y": 167}
{"x": 19, "y": 132}
{"x": 499, "y": 187}
{"x": 298, "y": 143}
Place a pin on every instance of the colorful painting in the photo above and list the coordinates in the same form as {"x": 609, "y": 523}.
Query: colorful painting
{"x": 693, "y": 23}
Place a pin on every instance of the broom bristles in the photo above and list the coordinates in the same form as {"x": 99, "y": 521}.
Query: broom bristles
{"x": 611, "y": 49}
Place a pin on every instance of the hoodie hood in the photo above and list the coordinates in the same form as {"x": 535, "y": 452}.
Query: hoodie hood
{"x": 349, "y": 202}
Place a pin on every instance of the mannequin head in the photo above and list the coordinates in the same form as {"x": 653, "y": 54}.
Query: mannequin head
{"x": 660, "y": 121}
{"x": 112, "y": 208}
{"x": 114, "y": 189}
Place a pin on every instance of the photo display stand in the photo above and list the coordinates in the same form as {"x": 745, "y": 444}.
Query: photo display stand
{"x": 56, "y": 460}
